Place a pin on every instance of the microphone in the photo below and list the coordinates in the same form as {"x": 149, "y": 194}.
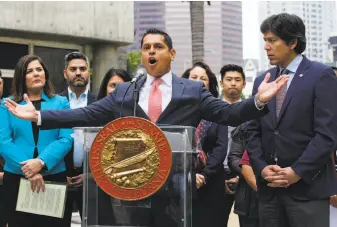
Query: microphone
{"x": 139, "y": 74}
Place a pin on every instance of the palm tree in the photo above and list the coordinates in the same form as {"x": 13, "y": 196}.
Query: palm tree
{"x": 197, "y": 29}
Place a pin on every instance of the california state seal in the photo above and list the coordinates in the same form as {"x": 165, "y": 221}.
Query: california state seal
{"x": 130, "y": 158}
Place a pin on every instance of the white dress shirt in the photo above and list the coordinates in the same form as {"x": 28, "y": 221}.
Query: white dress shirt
{"x": 80, "y": 102}
{"x": 78, "y": 135}
{"x": 165, "y": 88}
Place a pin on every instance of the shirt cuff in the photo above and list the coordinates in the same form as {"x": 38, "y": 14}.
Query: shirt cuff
{"x": 259, "y": 105}
{"x": 39, "y": 120}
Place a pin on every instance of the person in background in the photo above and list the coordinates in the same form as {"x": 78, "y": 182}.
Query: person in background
{"x": 246, "y": 204}
{"x": 31, "y": 153}
{"x": 233, "y": 81}
{"x": 76, "y": 72}
{"x": 112, "y": 78}
{"x": 209, "y": 205}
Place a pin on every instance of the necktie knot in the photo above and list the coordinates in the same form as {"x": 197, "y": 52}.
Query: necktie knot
{"x": 157, "y": 82}
{"x": 283, "y": 72}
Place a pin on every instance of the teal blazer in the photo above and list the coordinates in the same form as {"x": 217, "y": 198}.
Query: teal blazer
{"x": 17, "y": 140}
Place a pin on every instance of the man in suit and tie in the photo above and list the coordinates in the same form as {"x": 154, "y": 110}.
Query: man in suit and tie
{"x": 163, "y": 98}
{"x": 290, "y": 148}
{"x": 77, "y": 74}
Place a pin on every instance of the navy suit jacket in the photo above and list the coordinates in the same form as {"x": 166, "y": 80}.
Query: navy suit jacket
{"x": 303, "y": 137}
{"x": 190, "y": 103}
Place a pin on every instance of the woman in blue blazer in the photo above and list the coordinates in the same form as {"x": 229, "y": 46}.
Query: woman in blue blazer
{"x": 29, "y": 152}
{"x": 208, "y": 208}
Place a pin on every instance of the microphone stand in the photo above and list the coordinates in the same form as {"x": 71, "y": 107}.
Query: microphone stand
{"x": 135, "y": 99}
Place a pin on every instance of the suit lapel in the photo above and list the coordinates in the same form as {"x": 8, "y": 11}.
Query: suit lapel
{"x": 295, "y": 83}
{"x": 139, "y": 112}
{"x": 272, "y": 102}
{"x": 177, "y": 91}
{"x": 91, "y": 98}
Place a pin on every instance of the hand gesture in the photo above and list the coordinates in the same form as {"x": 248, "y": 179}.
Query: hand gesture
{"x": 31, "y": 167}
{"x": 76, "y": 181}
{"x": 200, "y": 180}
{"x": 228, "y": 185}
{"x": 37, "y": 183}
{"x": 283, "y": 175}
{"x": 26, "y": 112}
{"x": 267, "y": 90}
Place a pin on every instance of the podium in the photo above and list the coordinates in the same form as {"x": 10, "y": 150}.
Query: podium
{"x": 170, "y": 206}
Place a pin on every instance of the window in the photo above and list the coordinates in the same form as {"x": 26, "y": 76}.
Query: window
{"x": 11, "y": 53}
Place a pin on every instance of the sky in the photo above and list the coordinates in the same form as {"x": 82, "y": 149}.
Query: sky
{"x": 251, "y": 30}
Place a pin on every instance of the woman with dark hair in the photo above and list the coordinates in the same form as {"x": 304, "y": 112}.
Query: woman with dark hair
{"x": 111, "y": 79}
{"x": 202, "y": 72}
{"x": 209, "y": 206}
{"x": 29, "y": 152}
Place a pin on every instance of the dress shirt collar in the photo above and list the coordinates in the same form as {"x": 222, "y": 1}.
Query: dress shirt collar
{"x": 167, "y": 78}
{"x": 72, "y": 95}
{"x": 224, "y": 99}
{"x": 294, "y": 64}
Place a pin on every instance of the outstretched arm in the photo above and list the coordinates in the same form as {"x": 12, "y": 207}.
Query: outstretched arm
{"x": 95, "y": 114}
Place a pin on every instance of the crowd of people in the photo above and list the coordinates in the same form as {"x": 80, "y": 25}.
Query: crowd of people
{"x": 271, "y": 155}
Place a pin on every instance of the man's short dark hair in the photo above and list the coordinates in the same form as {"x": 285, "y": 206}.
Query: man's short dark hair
{"x": 333, "y": 67}
{"x": 75, "y": 55}
{"x": 0, "y": 74}
{"x": 167, "y": 38}
{"x": 288, "y": 27}
{"x": 232, "y": 68}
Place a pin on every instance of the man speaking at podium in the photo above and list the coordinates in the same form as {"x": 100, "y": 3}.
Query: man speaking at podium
{"x": 163, "y": 98}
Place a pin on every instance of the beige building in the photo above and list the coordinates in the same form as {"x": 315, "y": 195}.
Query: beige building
{"x": 53, "y": 29}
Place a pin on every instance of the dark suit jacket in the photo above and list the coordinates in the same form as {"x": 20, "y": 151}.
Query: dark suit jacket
{"x": 215, "y": 146}
{"x": 304, "y": 135}
{"x": 190, "y": 102}
{"x": 246, "y": 202}
{"x": 207, "y": 209}
{"x": 69, "y": 160}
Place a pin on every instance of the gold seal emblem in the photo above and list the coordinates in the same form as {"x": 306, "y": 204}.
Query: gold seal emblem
{"x": 130, "y": 158}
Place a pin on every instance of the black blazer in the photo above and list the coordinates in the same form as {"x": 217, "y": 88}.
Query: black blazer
{"x": 215, "y": 146}
{"x": 303, "y": 137}
{"x": 190, "y": 103}
{"x": 246, "y": 202}
{"x": 68, "y": 159}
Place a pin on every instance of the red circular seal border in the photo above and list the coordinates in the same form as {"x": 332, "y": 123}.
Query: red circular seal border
{"x": 159, "y": 178}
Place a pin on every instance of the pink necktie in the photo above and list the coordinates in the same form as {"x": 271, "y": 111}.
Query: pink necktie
{"x": 155, "y": 100}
